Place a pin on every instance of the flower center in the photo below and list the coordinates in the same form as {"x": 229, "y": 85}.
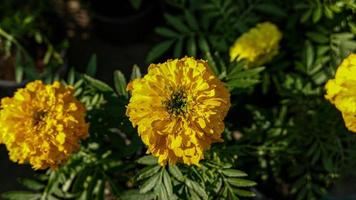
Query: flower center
{"x": 177, "y": 102}
{"x": 38, "y": 117}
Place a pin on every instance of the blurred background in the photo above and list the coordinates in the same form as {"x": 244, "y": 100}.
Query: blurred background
{"x": 45, "y": 39}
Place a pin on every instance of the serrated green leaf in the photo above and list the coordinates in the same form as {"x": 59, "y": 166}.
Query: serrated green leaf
{"x": 318, "y": 37}
{"x": 317, "y": 14}
{"x": 91, "y": 185}
{"x": 306, "y": 15}
{"x": 203, "y": 44}
{"x": 238, "y": 182}
{"x": 244, "y": 193}
{"x": 135, "y": 195}
{"x": 21, "y": 195}
{"x": 166, "y": 32}
{"x": 309, "y": 55}
{"x": 175, "y": 172}
{"x": 158, "y": 50}
{"x": 136, "y": 72}
{"x": 99, "y": 85}
{"x": 147, "y": 160}
{"x": 178, "y": 48}
{"x": 162, "y": 193}
{"x": 197, "y": 188}
{"x": 192, "y": 22}
{"x": 150, "y": 183}
{"x": 234, "y": 173}
{"x": 177, "y": 23}
{"x": 92, "y": 65}
{"x": 120, "y": 83}
{"x": 147, "y": 172}
{"x": 167, "y": 183}
{"x": 191, "y": 46}
{"x": 32, "y": 184}
{"x": 71, "y": 76}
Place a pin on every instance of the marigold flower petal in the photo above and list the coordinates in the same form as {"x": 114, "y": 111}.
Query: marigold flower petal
{"x": 42, "y": 124}
{"x": 179, "y": 108}
{"x": 257, "y": 46}
{"x": 341, "y": 91}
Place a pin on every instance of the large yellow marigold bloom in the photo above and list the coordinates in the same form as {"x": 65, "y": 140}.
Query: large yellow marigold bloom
{"x": 341, "y": 91}
{"x": 257, "y": 46}
{"x": 179, "y": 108}
{"x": 42, "y": 124}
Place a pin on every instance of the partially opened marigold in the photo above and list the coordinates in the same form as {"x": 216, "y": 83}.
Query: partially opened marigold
{"x": 179, "y": 108}
{"x": 42, "y": 124}
{"x": 341, "y": 91}
{"x": 257, "y": 46}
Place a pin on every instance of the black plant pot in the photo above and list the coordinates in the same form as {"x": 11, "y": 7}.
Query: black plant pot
{"x": 122, "y": 24}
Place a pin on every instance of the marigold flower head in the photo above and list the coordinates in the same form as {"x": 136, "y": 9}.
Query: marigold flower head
{"x": 341, "y": 91}
{"x": 179, "y": 108}
{"x": 42, "y": 124}
{"x": 257, "y": 46}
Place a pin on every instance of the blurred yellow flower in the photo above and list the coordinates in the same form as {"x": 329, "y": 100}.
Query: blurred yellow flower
{"x": 257, "y": 46}
{"x": 341, "y": 91}
{"x": 42, "y": 124}
{"x": 179, "y": 108}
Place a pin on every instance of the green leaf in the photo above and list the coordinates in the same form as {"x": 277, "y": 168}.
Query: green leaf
{"x": 203, "y": 44}
{"x": 31, "y": 184}
{"x": 147, "y": 172}
{"x": 306, "y": 15}
{"x": 150, "y": 183}
{"x": 71, "y": 76}
{"x": 120, "y": 83}
{"x": 19, "y": 69}
{"x": 177, "y": 23}
{"x": 318, "y": 12}
{"x": 178, "y": 48}
{"x": 91, "y": 67}
{"x": 270, "y": 9}
{"x": 244, "y": 193}
{"x": 147, "y": 160}
{"x": 234, "y": 173}
{"x": 197, "y": 188}
{"x": 212, "y": 63}
{"x": 318, "y": 37}
{"x": 309, "y": 55}
{"x": 99, "y": 85}
{"x": 191, "y": 46}
{"x": 244, "y": 73}
{"x": 167, "y": 183}
{"x": 166, "y": 32}
{"x": 21, "y": 195}
{"x": 237, "y": 182}
{"x": 162, "y": 193}
{"x": 135, "y": 195}
{"x": 192, "y": 22}
{"x": 81, "y": 176}
{"x": 158, "y": 50}
{"x": 136, "y": 72}
{"x": 91, "y": 185}
{"x": 136, "y": 4}
{"x": 175, "y": 172}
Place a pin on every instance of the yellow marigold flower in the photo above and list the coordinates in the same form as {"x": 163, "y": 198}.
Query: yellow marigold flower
{"x": 341, "y": 91}
{"x": 179, "y": 108}
{"x": 42, "y": 124}
{"x": 257, "y": 46}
